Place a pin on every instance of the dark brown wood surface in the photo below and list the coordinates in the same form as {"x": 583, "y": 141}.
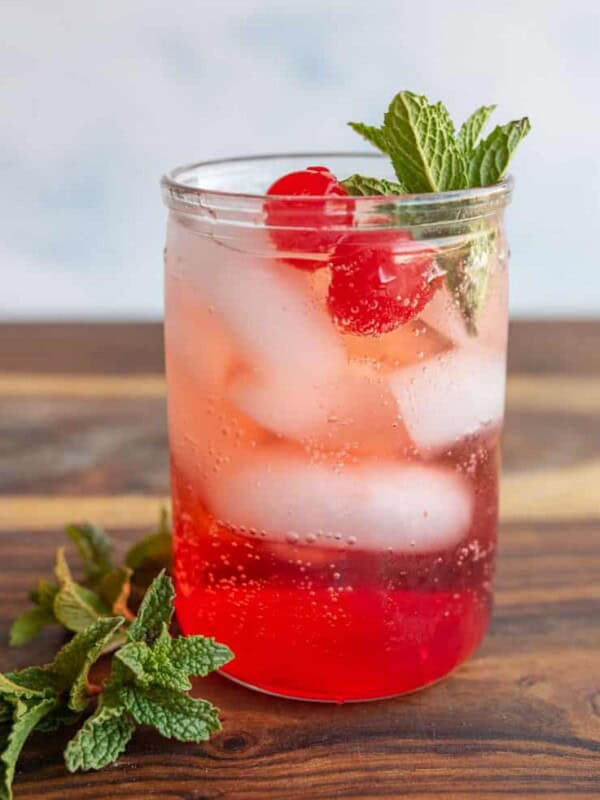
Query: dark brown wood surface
{"x": 82, "y": 434}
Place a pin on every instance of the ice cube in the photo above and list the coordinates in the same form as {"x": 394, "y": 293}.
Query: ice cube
{"x": 412, "y": 508}
{"x": 195, "y": 340}
{"x": 206, "y": 433}
{"x": 266, "y": 305}
{"x": 443, "y": 314}
{"x": 451, "y": 396}
{"x": 408, "y": 344}
{"x": 353, "y": 409}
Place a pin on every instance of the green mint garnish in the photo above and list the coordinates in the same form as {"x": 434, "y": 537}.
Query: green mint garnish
{"x": 467, "y": 272}
{"x": 368, "y": 187}
{"x": 472, "y": 128}
{"x": 429, "y": 156}
{"x": 150, "y": 670}
{"x": 421, "y": 143}
{"x": 106, "y": 588}
{"x": 376, "y": 136}
{"x": 94, "y": 547}
{"x": 102, "y": 737}
{"x": 489, "y": 160}
{"x": 52, "y": 694}
{"x": 26, "y": 715}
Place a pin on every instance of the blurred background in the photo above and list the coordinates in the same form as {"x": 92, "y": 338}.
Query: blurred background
{"x": 99, "y": 99}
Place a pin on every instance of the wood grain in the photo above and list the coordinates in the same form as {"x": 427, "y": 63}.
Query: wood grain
{"x": 577, "y": 394}
{"x": 82, "y": 434}
{"x": 540, "y": 346}
{"x": 70, "y": 347}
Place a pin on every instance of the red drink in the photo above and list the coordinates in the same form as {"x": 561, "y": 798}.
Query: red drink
{"x": 334, "y": 460}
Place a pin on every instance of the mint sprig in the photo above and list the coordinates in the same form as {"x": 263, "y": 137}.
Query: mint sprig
{"x": 472, "y": 128}
{"x": 148, "y": 684}
{"x": 374, "y": 135}
{"x": 429, "y": 156}
{"x": 368, "y": 187}
{"x": 106, "y": 588}
{"x": 51, "y": 694}
{"x": 421, "y": 143}
{"x": 489, "y": 160}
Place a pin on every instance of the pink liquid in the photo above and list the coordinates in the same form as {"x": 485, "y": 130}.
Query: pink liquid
{"x": 348, "y": 624}
{"x": 334, "y": 513}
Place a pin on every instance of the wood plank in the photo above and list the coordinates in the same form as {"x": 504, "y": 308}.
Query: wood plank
{"x": 554, "y": 346}
{"x": 65, "y": 384}
{"x": 80, "y": 347}
{"x": 83, "y": 446}
{"x": 576, "y": 394}
{"x": 520, "y": 719}
{"x": 538, "y": 346}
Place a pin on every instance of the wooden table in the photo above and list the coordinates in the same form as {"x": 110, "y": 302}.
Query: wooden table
{"x": 82, "y": 418}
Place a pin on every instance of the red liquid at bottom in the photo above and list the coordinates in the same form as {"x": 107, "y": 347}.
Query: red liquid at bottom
{"x": 329, "y": 624}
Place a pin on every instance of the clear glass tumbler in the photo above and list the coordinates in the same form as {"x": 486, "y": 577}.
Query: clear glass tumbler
{"x": 336, "y": 372}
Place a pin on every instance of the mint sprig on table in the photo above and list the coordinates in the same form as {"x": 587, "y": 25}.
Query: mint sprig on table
{"x": 148, "y": 677}
{"x": 106, "y": 589}
{"x": 429, "y": 155}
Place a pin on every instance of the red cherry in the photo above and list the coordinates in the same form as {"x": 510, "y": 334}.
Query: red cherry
{"x": 298, "y": 227}
{"x": 380, "y": 280}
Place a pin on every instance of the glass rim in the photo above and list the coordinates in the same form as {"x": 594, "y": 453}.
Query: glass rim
{"x": 247, "y": 207}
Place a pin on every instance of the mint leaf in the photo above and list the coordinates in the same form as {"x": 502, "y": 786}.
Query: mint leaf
{"x": 10, "y": 686}
{"x": 28, "y": 625}
{"x": 420, "y": 141}
{"x": 467, "y": 272}
{"x": 370, "y": 187}
{"x": 44, "y": 595}
{"x": 173, "y": 714}
{"x": 68, "y": 673}
{"x": 471, "y": 129}
{"x": 491, "y": 157}
{"x": 155, "y": 664}
{"x": 25, "y": 719}
{"x": 156, "y": 609}
{"x": 199, "y": 655}
{"x": 61, "y": 567}
{"x": 75, "y": 607}
{"x": 102, "y": 738}
{"x": 373, "y": 135}
{"x": 135, "y": 656}
{"x": 72, "y": 663}
{"x": 94, "y": 547}
{"x": 152, "y": 670}
{"x": 37, "y": 679}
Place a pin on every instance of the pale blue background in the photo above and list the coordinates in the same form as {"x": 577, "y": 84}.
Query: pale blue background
{"x": 98, "y": 98}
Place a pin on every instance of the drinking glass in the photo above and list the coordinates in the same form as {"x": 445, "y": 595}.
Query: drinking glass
{"x": 336, "y": 372}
